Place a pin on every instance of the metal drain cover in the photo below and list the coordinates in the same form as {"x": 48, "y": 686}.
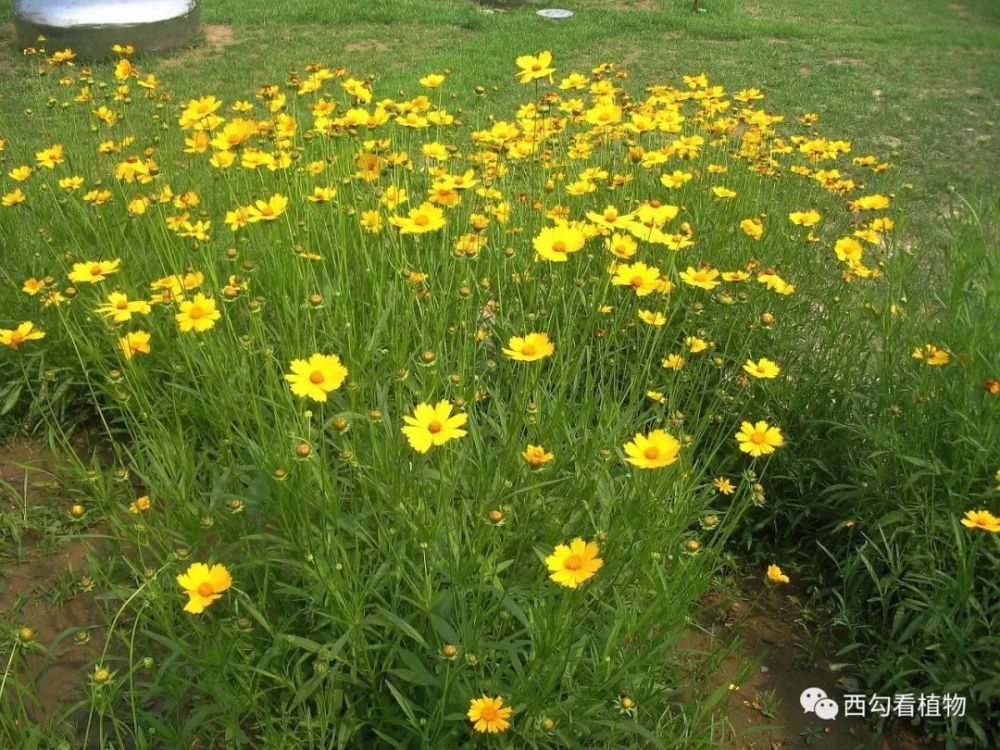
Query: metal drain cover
{"x": 555, "y": 13}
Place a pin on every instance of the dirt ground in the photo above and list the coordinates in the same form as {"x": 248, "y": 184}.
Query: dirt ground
{"x": 44, "y": 581}
{"x": 774, "y": 662}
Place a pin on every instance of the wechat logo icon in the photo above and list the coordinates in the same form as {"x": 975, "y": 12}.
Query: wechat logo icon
{"x": 814, "y": 700}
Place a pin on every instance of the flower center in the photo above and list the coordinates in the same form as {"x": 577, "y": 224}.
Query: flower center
{"x": 759, "y": 438}
{"x": 559, "y": 246}
{"x": 573, "y": 562}
{"x": 122, "y": 305}
{"x": 435, "y": 427}
{"x": 528, "y": 350}
{"x": 488, "y": 713}
{"x": 637, "y": 281}
{"x": 421, "y": 220}
{"x": 652, "y": 453}
{"x": 316, "y": 377}
{"x": 205, "y": 589}
{"x": 196, "y": 312}
{"x": 536, "y": 67}
{"x": 96, "y": 270}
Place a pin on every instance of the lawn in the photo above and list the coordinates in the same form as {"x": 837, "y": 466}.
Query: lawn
{"x": 344, "y": 405}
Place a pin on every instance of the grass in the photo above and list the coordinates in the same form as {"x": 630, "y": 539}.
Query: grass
{"x": 358, "y": 563}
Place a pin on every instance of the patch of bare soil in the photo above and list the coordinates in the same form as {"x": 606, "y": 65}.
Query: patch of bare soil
{"x": 961, "y": 11}
{"x": 218, "y": 37}
{"x": 889, "y": 140}
{"x": 67, "y": 624}
{"x": 366, "y": 45}
{"x": 647, "y": 5}
{"x": 23, "y": 460}
{"x": 763, "y": 708}
{"x": 46, "y": 592}
{"x": 8, "y": 49}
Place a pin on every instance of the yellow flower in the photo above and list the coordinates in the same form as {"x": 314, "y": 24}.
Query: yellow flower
{"x": 134, "y": 343}
{"x": 322, "y": 194}
{"x": 203, "y": 585}
{"x": 675, "y": 179}
{"x": 652, "y": 318}
{"x": 120, "y": 309}
{"x": 753, "y": 228}
{"x": 531, "y": 347}
{"x": 371, "y": 221}
{"x": 315, "y": 377}
{"x": 869, "y": 203}
{"x": 197, "y": 315}
{"x": 934, "y": 356}
{"x": 140, "y": 504}
{"x": 703, "y": 278}
{"x": 93, "y": 271}
{"x": 981, "y": 519}
{"x": 20, "y": 174}
{"x": 98, "y": 197}
{"x": 672, "y": 362}
{"x": 534, "y": 67}
{"x": 15, "y": 338}
{"x": 125, "y": 70}
{"x": 50, "y": 158}
{"x": 643, "y": 279}
{"x": 621, "y": 245}
{"x": 736, "y": 276}
{"x": 71, "y": 183}
{"x": 723, "y": 192}
{"x": 723, "y": 486}
{"x": 393, "y": 197}
{"x": 609, "y": 218}
{"x": 198, "y": 109}
{"x": 556, "y": 243}
{"x": 570, "y": 565}
{"x": 605, "y": 113}
{"x": 774, "y": 282}
{"x": 763, "y": 368}
{"x": 32, "y": 286}
{"x": 573, "y": 81}
{"x": 695, "y": 344}
{"x": 433, "y": 425}
{"x": 653, "y": 451}
{"x": 489, "y": 714}
{"x": 268, "y": 210}
{"x": 432, "y": 80}
{"x": 426, "y": 218}
{"x": 848, "y": 250}
{"x": 14, "y": 198}
{"x": 759, "y": 439}
{"x": 536, "y": 457}
{"x": 775, "y": 575}
{"x": 805, "y": 218}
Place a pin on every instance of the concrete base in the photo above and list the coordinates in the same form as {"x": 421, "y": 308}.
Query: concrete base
{"x": 93, "y": 40}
